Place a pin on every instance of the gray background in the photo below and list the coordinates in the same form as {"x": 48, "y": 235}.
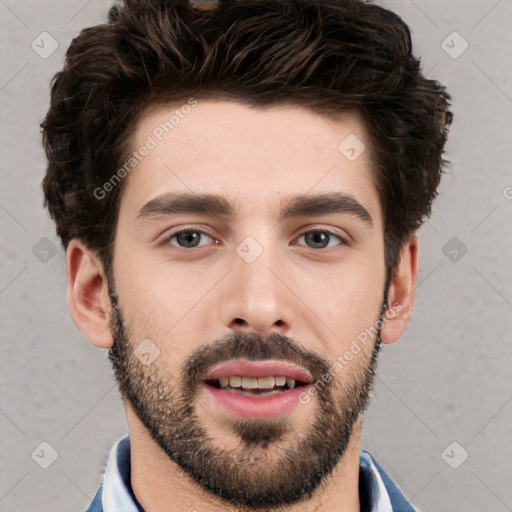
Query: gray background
{"x": 448, "y": 379}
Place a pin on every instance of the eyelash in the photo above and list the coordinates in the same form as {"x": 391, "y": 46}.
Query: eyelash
{"x": 167, "y": 240}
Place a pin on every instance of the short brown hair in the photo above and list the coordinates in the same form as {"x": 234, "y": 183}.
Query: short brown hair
{"x": 327, "y": 55}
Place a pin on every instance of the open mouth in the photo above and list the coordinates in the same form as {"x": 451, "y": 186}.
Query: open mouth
{"x": 246, "y": 388}
{"x": 255, "y": 386}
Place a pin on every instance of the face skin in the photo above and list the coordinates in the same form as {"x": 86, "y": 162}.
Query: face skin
{"x": 300, "y": 289}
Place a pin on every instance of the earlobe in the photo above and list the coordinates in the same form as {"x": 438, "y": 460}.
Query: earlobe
{"x": 401, "y": 294}
{"x": 88, "y": 298}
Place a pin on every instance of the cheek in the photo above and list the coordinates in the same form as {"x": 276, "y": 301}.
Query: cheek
{"x": 351, "y": 310}
{"x": 356, "y": 325}
{"x": 156, "y": 300}
{"x": 142, "y": 301}
{"x": 351, "y": 296}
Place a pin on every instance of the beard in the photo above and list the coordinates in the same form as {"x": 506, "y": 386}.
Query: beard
{"x": 264, "y": 473}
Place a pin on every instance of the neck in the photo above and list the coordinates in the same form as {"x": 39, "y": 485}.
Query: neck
{"x": 157, "y": 481}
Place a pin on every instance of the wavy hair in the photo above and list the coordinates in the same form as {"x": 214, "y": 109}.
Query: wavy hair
{"x": 327, "y": 55}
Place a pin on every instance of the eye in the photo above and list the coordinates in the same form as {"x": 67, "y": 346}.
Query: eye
{"x": 187, "y": 238}
{"x": 191, "y": 238}
{"x": 321, "y": 239}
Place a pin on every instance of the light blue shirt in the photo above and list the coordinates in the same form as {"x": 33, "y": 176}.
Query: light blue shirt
{"x": 115, "y": 494}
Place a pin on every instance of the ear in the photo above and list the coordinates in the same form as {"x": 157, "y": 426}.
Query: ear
{"x": 401, "y": 293}
{"x": 88, "y": 298}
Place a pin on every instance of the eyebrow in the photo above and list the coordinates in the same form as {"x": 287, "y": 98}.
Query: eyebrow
{"x": 173, "y": 203}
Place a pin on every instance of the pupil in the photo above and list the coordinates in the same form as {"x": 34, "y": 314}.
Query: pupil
{"x": 189, "y": 236}
{"x": 315, "y": 236}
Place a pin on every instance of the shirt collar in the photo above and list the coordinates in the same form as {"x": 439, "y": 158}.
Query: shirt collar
{"x": 381, "y": 494}
{"x": 117, "y": 491}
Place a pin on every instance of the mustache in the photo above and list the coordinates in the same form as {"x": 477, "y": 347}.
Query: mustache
{"x": 252, "y": 347}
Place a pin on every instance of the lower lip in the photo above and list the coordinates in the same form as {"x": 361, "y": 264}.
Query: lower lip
{"x": 246, "y": 406}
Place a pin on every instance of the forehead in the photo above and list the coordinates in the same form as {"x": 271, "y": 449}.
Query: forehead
{"x": 256, "y": 157}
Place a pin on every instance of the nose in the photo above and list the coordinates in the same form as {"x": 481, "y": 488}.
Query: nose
{"x": 256, "y": 298}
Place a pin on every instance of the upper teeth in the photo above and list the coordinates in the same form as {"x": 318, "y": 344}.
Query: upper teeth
{"x": 255, "y": 382}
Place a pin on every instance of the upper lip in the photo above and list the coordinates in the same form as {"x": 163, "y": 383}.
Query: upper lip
{"x": 246, "y": 368}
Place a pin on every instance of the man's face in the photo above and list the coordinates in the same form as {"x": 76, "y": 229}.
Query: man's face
{"x": 273, "y": 291}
